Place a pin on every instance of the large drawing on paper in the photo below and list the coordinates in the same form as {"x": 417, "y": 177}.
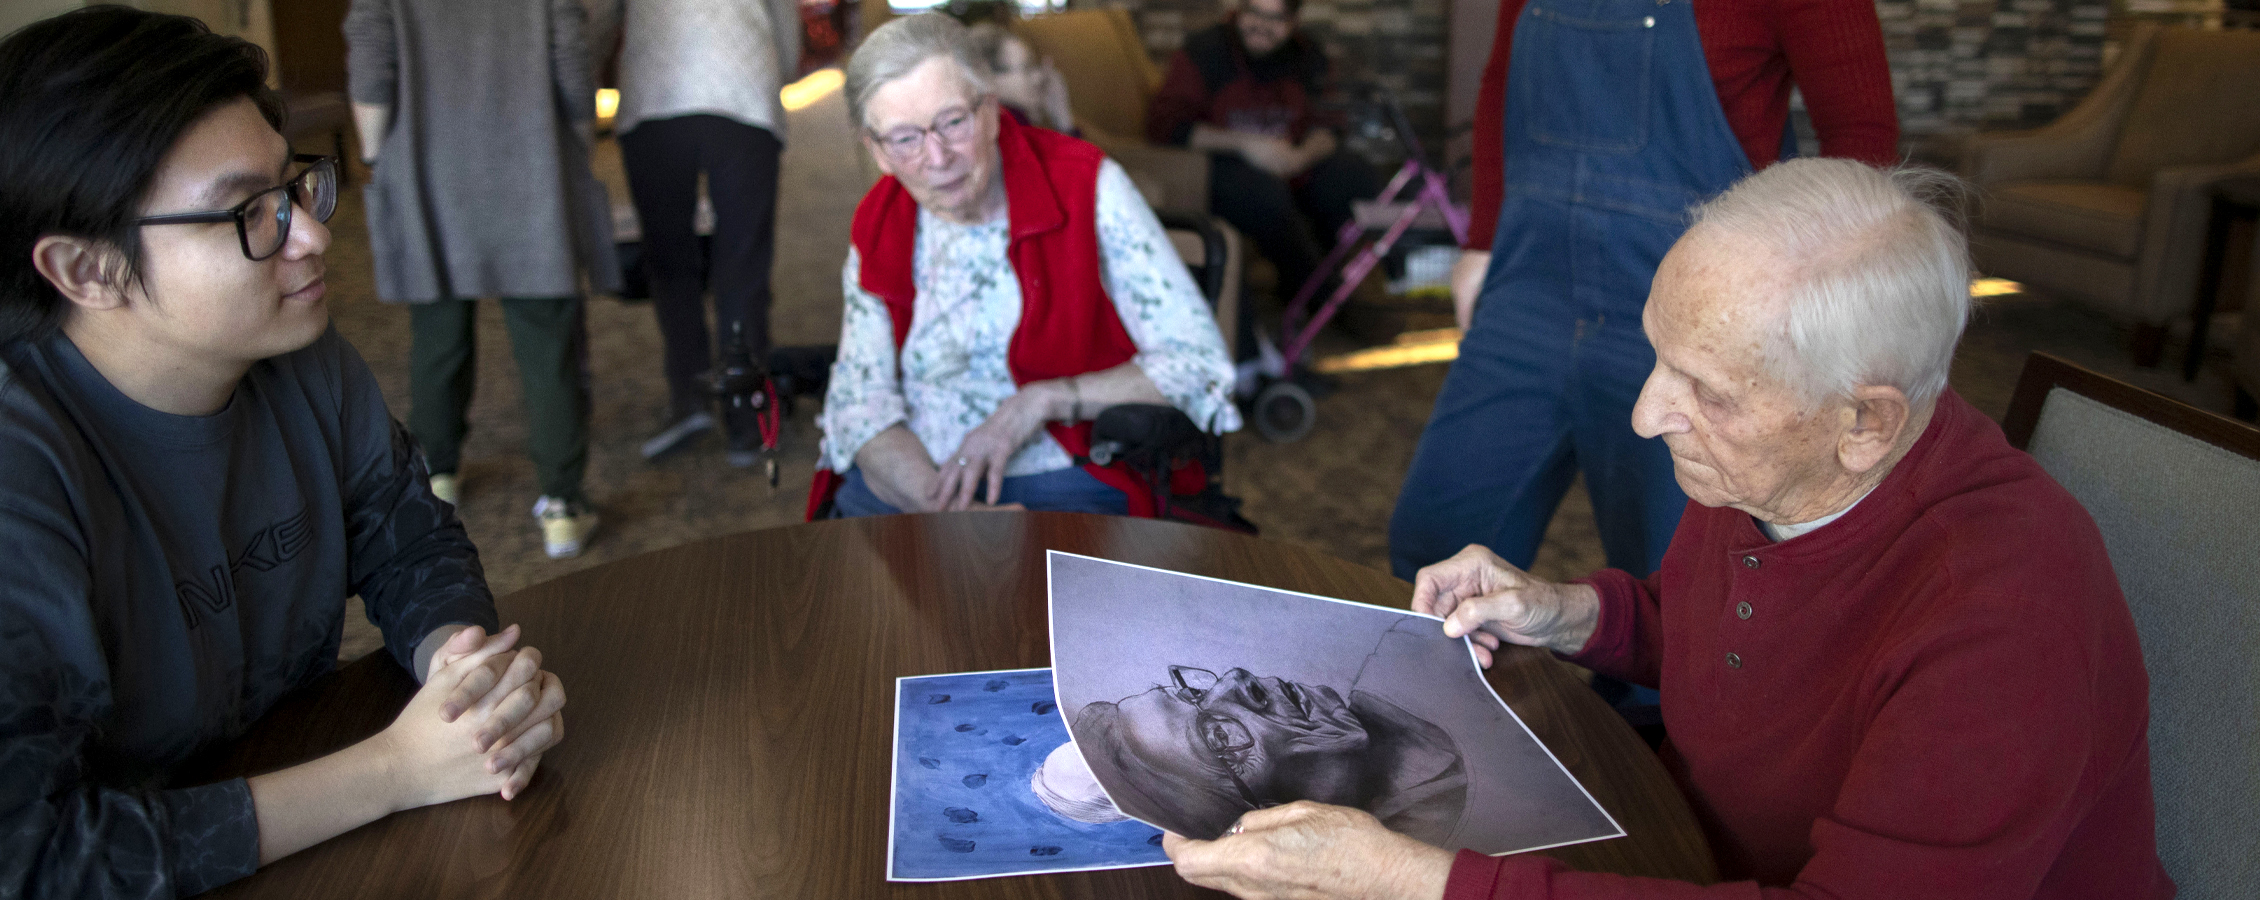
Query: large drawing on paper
{"x": 1195, "y": 700}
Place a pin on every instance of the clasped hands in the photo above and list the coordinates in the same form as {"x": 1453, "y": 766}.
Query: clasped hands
{"x": 1278, "y": 156}
{"x": 1308, "y": 850}
{"x": 479, "y": 725}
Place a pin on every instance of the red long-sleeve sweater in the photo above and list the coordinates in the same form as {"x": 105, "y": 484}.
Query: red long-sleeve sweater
{"x": 1939, "y": 695}
{"x": 1831, "y": 49}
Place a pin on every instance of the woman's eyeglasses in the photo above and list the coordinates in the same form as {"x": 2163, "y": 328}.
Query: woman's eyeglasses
{"x": 954, "y": 127}
{"x": 262, "y": 223}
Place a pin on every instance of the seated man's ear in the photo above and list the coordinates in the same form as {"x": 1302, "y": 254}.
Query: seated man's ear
{"x": 1880, "y": 415}
{"x": 84, "y": 271}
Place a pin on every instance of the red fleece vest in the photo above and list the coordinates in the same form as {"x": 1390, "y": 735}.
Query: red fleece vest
{"x": 1067, "y": 322}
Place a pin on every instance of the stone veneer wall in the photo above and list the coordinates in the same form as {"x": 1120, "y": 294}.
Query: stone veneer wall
{"x": 1958, "y": 66}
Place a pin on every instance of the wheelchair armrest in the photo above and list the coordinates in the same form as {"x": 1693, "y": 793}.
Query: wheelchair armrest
{"x": 803, "y": 370}
{"x": 1213, "y": 250}
{"x": 1147, "y": 435}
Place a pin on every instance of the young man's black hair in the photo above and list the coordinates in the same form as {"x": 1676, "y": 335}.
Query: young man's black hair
{"x": 81, "y": 138}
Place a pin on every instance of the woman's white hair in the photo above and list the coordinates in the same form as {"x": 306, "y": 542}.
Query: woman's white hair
{"x": 1066, "y": 786}
{"x": 892, "y": 50}
{"x": 1878, "y": 272}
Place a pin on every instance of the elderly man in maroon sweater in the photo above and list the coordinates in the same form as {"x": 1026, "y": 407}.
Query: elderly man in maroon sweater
{"x": 1894, "y": 659}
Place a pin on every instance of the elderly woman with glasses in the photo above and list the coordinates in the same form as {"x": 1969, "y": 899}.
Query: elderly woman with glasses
{"x": 1004, "y": 285}
{"x": 199, "y": 471}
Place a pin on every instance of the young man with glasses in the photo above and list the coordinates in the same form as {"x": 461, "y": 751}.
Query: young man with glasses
{"x": 198, "y": 472}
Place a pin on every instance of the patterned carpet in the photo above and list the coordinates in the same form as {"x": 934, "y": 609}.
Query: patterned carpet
{"x": 1333, "y": 490}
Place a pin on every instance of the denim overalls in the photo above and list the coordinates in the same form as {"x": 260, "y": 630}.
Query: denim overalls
{"x": 1613, "y": 130}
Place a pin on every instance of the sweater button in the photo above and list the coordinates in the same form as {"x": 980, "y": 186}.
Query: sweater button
{"x": 1742, "y": 609}
{"x": 1750, "y": 562}
{"x": 1734, "y": 660}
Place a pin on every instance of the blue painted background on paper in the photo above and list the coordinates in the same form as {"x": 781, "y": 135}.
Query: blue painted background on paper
{"x": 966, "y": 747}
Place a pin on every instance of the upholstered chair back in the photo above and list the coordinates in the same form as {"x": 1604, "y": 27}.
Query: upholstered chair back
{"x": 2180, "y": 516}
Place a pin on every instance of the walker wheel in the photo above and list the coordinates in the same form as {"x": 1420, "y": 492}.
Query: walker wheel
{"x": 1284, "y": 412}
{"x": 769, "y": 467}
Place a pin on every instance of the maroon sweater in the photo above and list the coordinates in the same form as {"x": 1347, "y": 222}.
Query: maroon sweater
{"x": 1939, "y": 695}
{"x": 1830, "y": 49}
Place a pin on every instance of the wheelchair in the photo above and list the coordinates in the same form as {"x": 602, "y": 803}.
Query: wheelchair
{"x": 1154, "y": 441}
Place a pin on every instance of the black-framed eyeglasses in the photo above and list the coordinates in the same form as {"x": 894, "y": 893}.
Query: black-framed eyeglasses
{"x": 262, "y": 223}
{"x": 953, "y": 126}
{"x": 1225, "y": 737}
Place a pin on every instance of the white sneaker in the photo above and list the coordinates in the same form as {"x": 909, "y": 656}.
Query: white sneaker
{"x": 565, "y": 527}
{"x": 443, "y": 487}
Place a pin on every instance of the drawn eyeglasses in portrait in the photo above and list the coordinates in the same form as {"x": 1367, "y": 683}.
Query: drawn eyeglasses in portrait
{"x": 1226, "y": 737}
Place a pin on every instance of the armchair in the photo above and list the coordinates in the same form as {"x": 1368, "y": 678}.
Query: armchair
{"x": 2244, "y": 372}
{"x": 2108, "y": 204}
{"x": 1110, "y": 82}
{"x": 2171, "y": 488}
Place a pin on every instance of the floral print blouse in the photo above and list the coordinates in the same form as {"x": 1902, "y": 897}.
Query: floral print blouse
{"x": 953, "y": 372}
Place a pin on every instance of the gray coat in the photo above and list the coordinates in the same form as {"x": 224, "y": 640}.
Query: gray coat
{"x": 482, "y": 186}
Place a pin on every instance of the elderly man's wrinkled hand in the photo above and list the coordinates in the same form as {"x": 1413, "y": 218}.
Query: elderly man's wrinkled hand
{"x": 1479, "y": 595}
{"x": 1309, "y": 850}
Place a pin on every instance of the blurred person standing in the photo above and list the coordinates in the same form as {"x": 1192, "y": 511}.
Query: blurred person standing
{"x": 477, "y": 119}
{"x": 698, "y": 96}
{"x": 1597, "y": 127}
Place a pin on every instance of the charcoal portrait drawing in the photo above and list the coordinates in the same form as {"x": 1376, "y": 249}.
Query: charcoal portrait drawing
{"x": 1194, "y": 700}
{"x": 1201, "y": 749}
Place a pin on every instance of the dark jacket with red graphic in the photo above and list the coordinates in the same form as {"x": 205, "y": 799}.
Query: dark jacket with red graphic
{"x": 1214, "y": 82}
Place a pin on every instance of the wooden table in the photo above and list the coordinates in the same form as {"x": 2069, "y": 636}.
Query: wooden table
{"x": 730, "y": 725}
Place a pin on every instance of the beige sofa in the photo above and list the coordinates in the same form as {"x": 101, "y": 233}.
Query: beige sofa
{"x": 2108, "y": 204}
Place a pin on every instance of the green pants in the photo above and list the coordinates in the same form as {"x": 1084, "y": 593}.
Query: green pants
{"x": 549, "y": 338}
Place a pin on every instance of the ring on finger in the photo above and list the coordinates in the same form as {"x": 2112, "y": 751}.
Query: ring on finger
{"x": 963, "y": 461}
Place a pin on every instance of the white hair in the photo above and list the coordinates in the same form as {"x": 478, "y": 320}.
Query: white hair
{"x": 1878, "y": 272}
{"x": 1066, "y": 786}
{"x": 895, "y": 49}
